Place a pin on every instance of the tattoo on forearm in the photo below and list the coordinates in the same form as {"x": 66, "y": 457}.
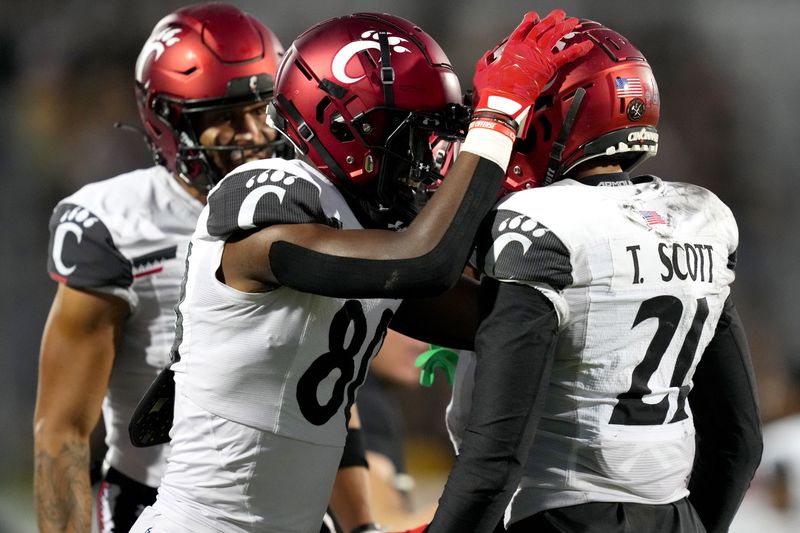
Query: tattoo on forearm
{"x": 61, "y": 485}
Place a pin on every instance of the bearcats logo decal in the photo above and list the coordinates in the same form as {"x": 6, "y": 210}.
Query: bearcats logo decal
{"x": 247, "y": 210}
{"x": 157, "y": 45}
{"x": 262, "y": 197}
{"x": 348, "y": 51}
{"x": 518, "y": 223}
{"x": 536, "y": 255}
{"x": 73, "y": 221}
{"x": 510, "y": 230}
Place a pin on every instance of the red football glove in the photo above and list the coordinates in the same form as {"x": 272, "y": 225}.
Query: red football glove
{"x": 509, "y": 78}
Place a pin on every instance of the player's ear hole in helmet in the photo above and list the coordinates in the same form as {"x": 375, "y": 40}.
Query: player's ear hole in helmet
{"x": 200, "y": 59}
{"x": 603, "y": 105}
{"x": 362, "y": 96}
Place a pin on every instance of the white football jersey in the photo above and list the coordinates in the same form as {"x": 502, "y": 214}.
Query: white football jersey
{"x": 263, "y": 380}
{"x": 638, "y": 274}
{"x": 127, "y": 236}
{"x": 281, "y": 361}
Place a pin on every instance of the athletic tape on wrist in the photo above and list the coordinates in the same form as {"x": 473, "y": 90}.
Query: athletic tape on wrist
{"x": 490, "y": 143}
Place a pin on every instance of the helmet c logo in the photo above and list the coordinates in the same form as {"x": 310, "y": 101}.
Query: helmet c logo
{"x": 344, "y": 55}
{"x": 348, "y": 51}
{"x": 160, "y": 43}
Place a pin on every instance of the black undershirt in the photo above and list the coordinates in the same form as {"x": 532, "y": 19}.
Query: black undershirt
{"x": 727, "y": 422}
{"x": 515, "y": 346}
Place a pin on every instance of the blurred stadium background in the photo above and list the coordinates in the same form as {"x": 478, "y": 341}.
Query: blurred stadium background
{"x": 729, "y": 76}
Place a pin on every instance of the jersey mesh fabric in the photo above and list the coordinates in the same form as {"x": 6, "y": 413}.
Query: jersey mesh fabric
{"x": 638, "y": 275}
{"x": 283, "y": 361}
{"x": 225, "y": 476}
{"x": 127, "y": 236}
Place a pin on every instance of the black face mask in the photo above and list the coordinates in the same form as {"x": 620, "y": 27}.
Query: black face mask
{"x": 196, "y": 163}
{"x": 371, "y": 213}
{"x": 405, "y": 183}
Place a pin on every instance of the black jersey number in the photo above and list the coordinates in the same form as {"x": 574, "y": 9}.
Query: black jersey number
{"x": 631, "y": 410}
{"x": 340, "y": 357}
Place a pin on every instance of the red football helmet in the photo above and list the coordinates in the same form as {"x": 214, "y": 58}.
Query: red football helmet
{"x": 361, "y": 95}
{"x": 201, "y": 58}
{"x": 604, "y": 104}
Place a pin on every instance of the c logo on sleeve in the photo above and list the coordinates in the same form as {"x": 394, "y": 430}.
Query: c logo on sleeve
{"x": 262, "y": 197}
{"x": 521, "y": 248}
{"x": 73, "y": 221}
{"x": 513, "y": 229}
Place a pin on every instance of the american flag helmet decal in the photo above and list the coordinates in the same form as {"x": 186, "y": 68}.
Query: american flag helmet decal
{"x": 628, "y": 87}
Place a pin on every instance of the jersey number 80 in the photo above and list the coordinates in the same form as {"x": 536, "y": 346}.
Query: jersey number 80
{"x": 343, "y": 358}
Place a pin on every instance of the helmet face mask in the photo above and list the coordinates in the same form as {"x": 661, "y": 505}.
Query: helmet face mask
{"x": 360, "y": 96}
{"x": 402, "y": 139}
{"x": 203, "y": 130}
{"x": 189, "y": 68}
{"x": 605, "y": 105}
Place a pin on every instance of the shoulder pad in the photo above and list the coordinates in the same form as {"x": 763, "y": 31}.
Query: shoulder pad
{"x": 82, "y": 250}
{"x": 513, "y": 246}
{"x": 262, "y": 197}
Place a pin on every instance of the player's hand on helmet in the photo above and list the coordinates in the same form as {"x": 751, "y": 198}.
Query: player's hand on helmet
{"x": 510, "y": 77}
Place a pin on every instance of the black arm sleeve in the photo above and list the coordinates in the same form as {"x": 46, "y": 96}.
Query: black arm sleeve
{"x": 728, "y": 426}
{"x": 355, "y": 450}
{"x": 431, "y": 273}
{"x": 449, "y": 319}
{"x": 515, "y": 346}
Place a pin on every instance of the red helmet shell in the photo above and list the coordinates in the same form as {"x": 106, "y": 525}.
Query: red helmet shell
{"x": 333, "y": 73}
{"x": 201, "y": 57}
{"x": 617, "y": 116}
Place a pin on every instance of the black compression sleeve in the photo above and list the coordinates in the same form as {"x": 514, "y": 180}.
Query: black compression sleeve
{"x": 432, "y": 273}
{"x": 355, "y": 450}
{"x": 726, "y": 418}
{"x": 515, "y": 346}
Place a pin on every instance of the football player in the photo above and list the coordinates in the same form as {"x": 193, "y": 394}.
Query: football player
{"x": 295, "y": 269}
{"x": 118, "y": 250}
{"x": 613, "y": 388}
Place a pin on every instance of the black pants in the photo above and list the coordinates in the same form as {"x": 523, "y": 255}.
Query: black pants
{"x": 120, "y": 501}
{"x": 601, "y": 517}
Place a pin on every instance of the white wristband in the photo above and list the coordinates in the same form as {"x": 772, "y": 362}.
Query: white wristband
{"x": 489, "y": 144}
